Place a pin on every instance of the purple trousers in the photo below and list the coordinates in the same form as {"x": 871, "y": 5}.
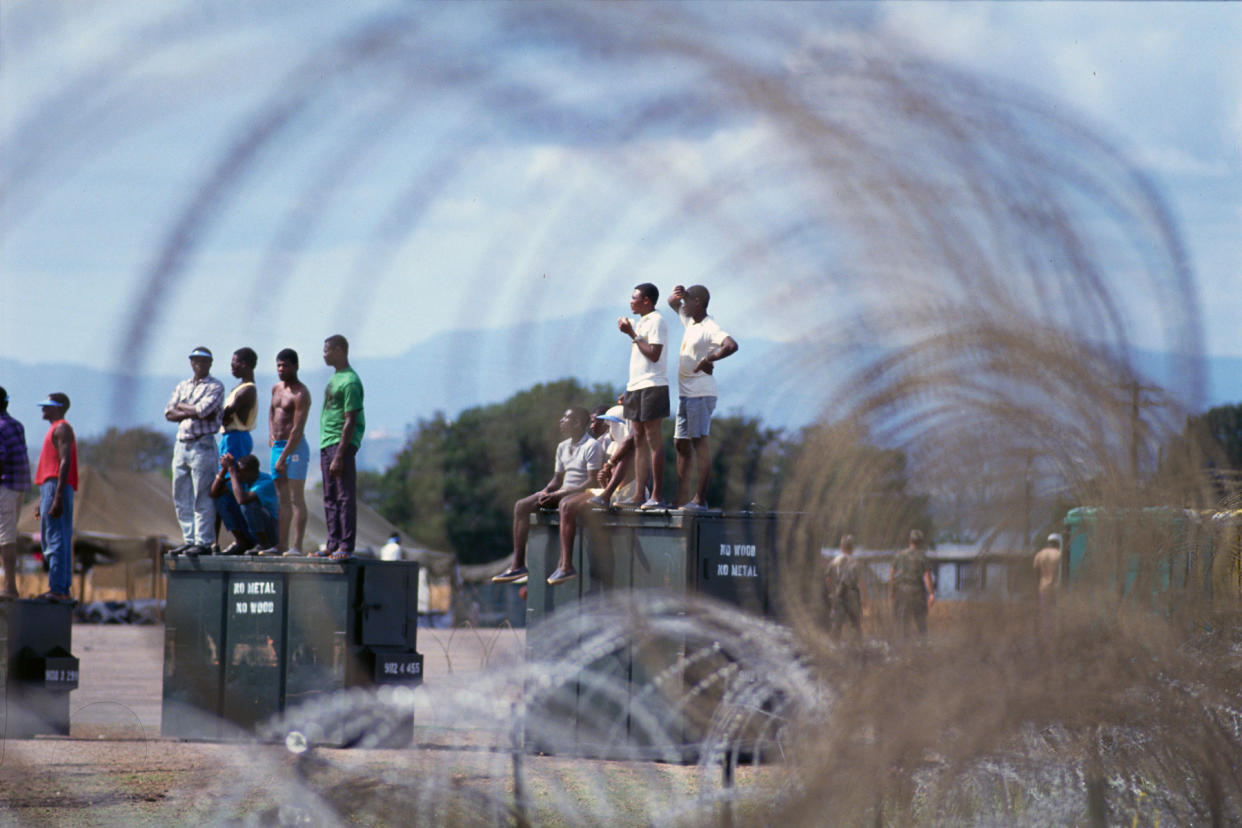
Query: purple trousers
{"x": 340, "y": 498}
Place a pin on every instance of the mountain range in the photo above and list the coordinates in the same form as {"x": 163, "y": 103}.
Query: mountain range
{"x": 460, "y": 369}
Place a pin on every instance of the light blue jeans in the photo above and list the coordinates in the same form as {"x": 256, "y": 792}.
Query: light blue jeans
{"x": 194, "y": 466}
{"x": 56, "y": 535}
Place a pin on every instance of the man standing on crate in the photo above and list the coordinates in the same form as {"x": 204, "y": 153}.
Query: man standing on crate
{"x": 291, "y": 401}
{"x": 646, "y": 393}
{"x": 195, "y": 407}
{"x": 237, "y": 420}
{"x": 57, "y": 479}
{"x": 14, "y": 481}
{"x": 341, "y": 423}
{"x": 702, "y": 345}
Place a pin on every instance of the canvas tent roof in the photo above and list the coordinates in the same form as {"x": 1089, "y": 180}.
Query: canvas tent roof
{"x": 117, "y": 511}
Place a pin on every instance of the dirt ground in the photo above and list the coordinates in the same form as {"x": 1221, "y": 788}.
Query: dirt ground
{"x": 115, "y": 769}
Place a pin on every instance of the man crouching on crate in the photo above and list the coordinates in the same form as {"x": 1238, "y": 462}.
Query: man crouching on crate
{"x": 252, "y": 511}
{"x": 578, "y": 461}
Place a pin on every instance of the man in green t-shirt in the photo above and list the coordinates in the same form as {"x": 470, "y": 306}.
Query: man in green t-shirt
{"x": 341, "y": 424}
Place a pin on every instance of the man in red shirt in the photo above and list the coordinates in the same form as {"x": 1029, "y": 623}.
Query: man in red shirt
{"x": 57, "y": 479}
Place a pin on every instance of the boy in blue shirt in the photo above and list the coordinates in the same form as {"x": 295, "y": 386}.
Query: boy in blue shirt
{"x": 252, "y": 512}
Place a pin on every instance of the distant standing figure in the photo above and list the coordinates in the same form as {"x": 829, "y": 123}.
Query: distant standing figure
{"x": 291, "y": 401}
{"x": 391, "y": 551}
{"x": 57, "y": 479}
{"x": 1047, "y": 565}
{"x": 847, "y": 589}
{"x": 341, "y": 424}
{"x": 910, "y": 586}
{"x": 702, "y": 345}
{"x": 14, "y": 481}
{"x": 195, "y": 406}
{"x": 646, "y": 393}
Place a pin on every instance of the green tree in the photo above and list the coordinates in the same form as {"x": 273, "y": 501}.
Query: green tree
{"x": 852, "y": 486}
{"x": 455, "y": 482}
{"x": 132, "y": 449}
{"x": 1202, "y": 467}
{"x": 1218, "y": 432}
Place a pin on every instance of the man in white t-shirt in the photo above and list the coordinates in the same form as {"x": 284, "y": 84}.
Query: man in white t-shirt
{"x": 646, "y": 393}
{"x": 703, "y": 344}
{"x": 578, "y": 459}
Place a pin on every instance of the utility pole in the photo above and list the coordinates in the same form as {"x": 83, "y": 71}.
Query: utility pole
{"x": 1137, "y": 402}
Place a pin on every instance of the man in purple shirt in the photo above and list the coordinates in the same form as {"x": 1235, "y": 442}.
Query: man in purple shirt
{"x": 14, "y": 480}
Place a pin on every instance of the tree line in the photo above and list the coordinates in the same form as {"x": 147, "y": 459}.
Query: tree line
{"x": 454, "y": 483}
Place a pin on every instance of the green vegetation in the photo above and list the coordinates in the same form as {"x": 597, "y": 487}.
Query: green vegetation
{"x": 454, "y": 483}
{"x": 132, "y": 449}
{"x": 1202, "y": 466}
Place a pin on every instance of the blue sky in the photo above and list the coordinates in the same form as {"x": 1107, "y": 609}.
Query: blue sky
{"x": 407, "y": 196}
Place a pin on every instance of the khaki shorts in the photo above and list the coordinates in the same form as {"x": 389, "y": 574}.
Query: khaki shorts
{"x": 10, "y": 506}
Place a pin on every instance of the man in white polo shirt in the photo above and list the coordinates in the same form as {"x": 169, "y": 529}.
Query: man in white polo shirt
{"x": 703, "y": 344}
{"x": 646, "y": 394}
{"x": 578, "y": 459}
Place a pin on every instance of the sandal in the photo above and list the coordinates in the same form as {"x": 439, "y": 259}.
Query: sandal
{"x": 340, "y": 555}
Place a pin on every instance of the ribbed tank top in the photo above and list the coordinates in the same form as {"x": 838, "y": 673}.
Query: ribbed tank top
{"x": 254, "y": 410}
{"x": 49, "y": 460}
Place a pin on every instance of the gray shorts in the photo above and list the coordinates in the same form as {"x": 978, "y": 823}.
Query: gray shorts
{"x": 694, "y": 417}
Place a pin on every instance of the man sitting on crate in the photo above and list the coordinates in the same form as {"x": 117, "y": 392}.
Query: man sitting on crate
{"x": 578, "y": 460}
{"x": 251, "y": 513}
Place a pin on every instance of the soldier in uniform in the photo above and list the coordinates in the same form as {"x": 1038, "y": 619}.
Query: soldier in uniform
{"x": 846, "y": 589}
{"x": 910, "y": 586}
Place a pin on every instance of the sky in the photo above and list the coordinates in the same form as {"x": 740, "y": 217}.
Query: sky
{"x": 267, "y": 174}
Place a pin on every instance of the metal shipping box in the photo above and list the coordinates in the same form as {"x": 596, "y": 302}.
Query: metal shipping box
{"x": 247, "y": 638}
{"x": 38, "y": 669}
{"x": 730, "y": 557}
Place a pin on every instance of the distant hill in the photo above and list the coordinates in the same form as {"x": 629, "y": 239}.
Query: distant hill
{"x": 453, "y": 371}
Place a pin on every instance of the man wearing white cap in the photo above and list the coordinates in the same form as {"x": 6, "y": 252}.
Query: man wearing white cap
{"x": 1047, "y": 566}
{"x": 57, "y": 479}
{"x": 195, "y": 406}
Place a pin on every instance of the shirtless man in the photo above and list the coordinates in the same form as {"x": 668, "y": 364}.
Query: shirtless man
{"x": 291, "y": 402}
{"x": 1047, "y": 566}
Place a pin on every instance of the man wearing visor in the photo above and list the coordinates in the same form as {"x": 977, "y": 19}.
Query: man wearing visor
{"x": 195, "y": 406}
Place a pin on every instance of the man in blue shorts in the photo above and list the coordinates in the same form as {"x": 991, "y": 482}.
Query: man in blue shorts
{"x": 238, "y": 417}
{"x": 703, "y": 343}
{"x": 291, "y": 402}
